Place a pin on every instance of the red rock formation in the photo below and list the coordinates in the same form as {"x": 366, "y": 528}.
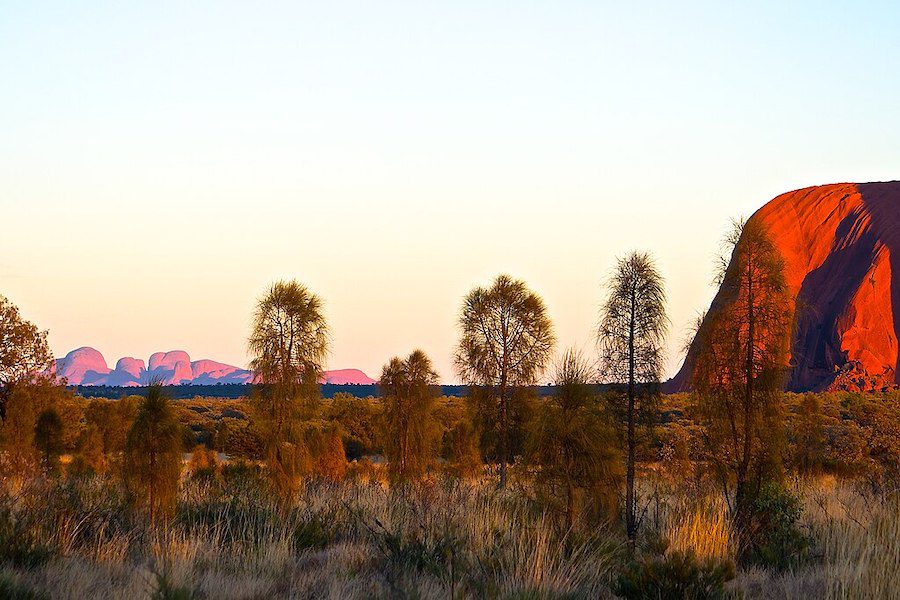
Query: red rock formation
{"x": 168, "y": 360}
{"x": 86, "y": 366}
{"x": 347, "y": 376}
{"x": 129, "y": 372}
{"x": 838, "y": 243}
{"x": 82, "y": 365}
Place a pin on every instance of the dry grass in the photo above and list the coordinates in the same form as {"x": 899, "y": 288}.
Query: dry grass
{"x": 352, "y": 540}
{"x": 855, "y": 536}
{"x": 365, "y": 540}
{"x": 700, "y": 525}
{"x": 858, "y": 534}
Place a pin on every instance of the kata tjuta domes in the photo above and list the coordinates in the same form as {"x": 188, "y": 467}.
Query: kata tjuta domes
{"x": 841, "y": 250}
{"x": 87, "y": 366}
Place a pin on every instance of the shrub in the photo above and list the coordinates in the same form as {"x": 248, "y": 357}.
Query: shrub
{"x": 90, "y": 459}
{"x": 242, "y": 521}
{"x": 676, "y": 575}
{"x": 114, "y": 419}
{"x": 411, "y": 431}
{"x": 19, "y": 543}
{"x": 775, "y": 540}
{"x": 204, "y": 463}
{"x": 331, "y": 462}
{"x": 238, "y": 438}
{"x": 166, "y": 590}
{"x": 13, "y": 590}
{"x": 437, "y": 555}
{"x": 572, "y": 447}
{"x": 358, "y": 418}
{"x": 316, "y": 532}
{"x": 48, "y": 439}
{"x": 238, "y": 473}
{"x": 463, "y": 454}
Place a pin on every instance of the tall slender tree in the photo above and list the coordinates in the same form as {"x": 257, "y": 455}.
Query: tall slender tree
{"x": 740, "y": 364}
{"x": 411, "y": 432}
{"x": 506, "y": 340}
{"x": 289, "y": 343}
{"x": 633, "y": 326}
{"x": 48, "y": 439}
{"x": 153, "y": 455}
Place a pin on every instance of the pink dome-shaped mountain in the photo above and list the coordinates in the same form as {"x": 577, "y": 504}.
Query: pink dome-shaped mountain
{"x": 86, "y": 366}
{"x": 129, "y": 372}
{"x": 170, "y": 368}
{"x": 82, "y": 366}
{"x": 210, "y": 371}
{"x": 168, "y": 359}
{"x": 347, "y": 376}
{"x": 132, "y": 366}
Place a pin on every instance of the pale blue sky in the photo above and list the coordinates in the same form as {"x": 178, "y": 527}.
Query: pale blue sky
{"x": 160, "y": 163}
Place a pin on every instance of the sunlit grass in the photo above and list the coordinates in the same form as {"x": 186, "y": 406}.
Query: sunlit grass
{"x": 441, "y": 537}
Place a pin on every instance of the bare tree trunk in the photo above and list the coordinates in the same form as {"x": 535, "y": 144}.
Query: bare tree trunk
{"x": 740, "y": 500}
{"x": 152, "y": 486}
{"x": 630, "y": 510}
{"x": 504, "y": 431}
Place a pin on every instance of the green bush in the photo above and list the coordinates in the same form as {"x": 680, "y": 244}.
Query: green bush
{"x": 775, "y": 539}
{"x": 10, "y": 589}
{"x": 243, "y": 521}
{"x": 19, "y": 544}
{"x": 674, "y": 576}
{"x": 316, "y": 532}
{"x": 166, "y": 590}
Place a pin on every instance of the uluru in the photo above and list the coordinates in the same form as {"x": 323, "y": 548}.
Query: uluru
{"x": 841, "y": 249}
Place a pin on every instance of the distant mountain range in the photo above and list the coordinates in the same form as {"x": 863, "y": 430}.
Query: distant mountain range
{"x": 87, "y": 366}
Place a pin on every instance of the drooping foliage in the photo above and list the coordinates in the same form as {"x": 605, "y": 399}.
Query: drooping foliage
{"x": 289, "y": 339}
{"x": 506, "y": 340}
{"x": 411, "y": 432}
{"x": 289, "y": 343}
{"x": 573, "y": 449}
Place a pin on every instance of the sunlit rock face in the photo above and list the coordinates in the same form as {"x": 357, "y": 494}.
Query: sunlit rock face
{"x": 83, "y": 365}
{"x": 839, "y": 243}
{"x": 87, "y": 366}
{"x": 170, "y": 368}
{"x": 209, "y": 371}
{"x": 128, "y": 372}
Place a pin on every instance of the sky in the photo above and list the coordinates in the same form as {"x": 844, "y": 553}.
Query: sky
{"x": 162, "y": 163}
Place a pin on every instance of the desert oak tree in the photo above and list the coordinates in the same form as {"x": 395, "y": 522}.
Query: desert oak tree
{"x": 632, "y": 330}
{"x": 289, "y": 343}
{"x": 740, "y": 363}
{"x": 411, "y": 432}
{"x": 24, "y": 351}
{"x": 506, "y": 340}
